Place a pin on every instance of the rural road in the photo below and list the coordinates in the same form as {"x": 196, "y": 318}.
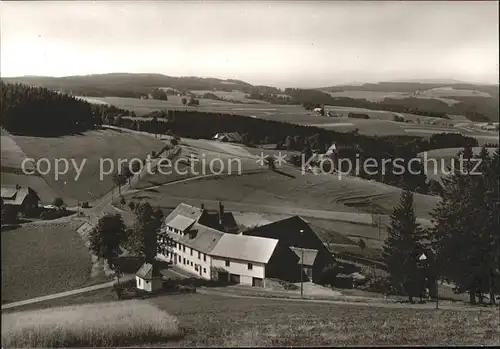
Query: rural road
{"x": 431, "y": 305}
{"x": 61, "y": 294}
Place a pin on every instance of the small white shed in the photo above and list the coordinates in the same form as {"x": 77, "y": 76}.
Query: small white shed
{"x": 148, "y": 278}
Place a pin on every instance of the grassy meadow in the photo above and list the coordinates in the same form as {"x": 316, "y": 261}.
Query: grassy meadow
{"x": 41, "y": 259}
{"x": 92, "y": 325}
{"x": 287, "y": 189}
{"x": 213, "y": 320}
{"x": 221, "y": 321}
{"x": 92, "y": 146}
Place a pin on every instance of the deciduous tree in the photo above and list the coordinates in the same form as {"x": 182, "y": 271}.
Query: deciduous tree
{"x": 107, "y": 235}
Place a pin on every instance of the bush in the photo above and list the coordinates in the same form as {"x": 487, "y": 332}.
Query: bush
{"x": 9, "y": 214}
{"x": 398, "y": 118}
{"x": 58, "y": 202}
{"x": 361, "y": 244}
{"x": 358, "y": 116}
{"x": 50, "y": 214}
{"x": 328, "y": 275}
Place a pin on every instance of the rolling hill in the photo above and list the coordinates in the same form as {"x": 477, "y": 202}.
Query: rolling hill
{"x": 476, "y": 102}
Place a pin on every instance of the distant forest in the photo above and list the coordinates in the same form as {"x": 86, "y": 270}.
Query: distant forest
{"x": 38, "y": 111}
{"x": 478, "y": 109}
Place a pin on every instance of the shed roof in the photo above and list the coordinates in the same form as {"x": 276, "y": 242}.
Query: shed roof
{"x": 148, "y": 271}
{"x": 8, "y": 192}
{"x": 181, "y": 222}
{"x": 246, "y": 248}
{"x": 186, "y": 211}
{"x": 309, "y": 255}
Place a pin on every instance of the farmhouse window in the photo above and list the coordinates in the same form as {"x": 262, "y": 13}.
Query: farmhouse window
{"x": 191, "y": 252}
{"x": 183, "y": 248}
{"x": 184, "y": 261}
{"x": 250, "y": 266}
{"x": 204, "y": 270}
{"x": 227, "y": 263}
{"x": 199, "y": 255}
{"x": 196, "y": 267}
{"x": 179, "y": 259}
{"x": 204, "y": 258}
{"x": 191, "y": 263}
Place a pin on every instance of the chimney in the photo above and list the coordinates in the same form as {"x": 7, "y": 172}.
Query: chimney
{"x": 221, "y": 214}
{"x": 202, "y": 207}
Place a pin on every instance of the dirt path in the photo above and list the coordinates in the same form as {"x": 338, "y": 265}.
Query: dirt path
{"x": 379, "y": 304}
{"x": 63, "y": 294}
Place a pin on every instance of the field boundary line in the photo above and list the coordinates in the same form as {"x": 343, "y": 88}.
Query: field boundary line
{"x": 58, "y": 295}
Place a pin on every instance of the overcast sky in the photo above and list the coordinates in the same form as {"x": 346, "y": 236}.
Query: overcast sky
{"x": 276, "y": 43}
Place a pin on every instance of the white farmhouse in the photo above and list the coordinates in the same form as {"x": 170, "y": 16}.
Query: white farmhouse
{"x": 207, "y": 245}
{"x": 243, "y": 259}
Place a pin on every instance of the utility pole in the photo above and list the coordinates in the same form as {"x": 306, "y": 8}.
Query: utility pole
{"x": 437, "y": 293}
{"x": 436, "y": 277}
{"x": 379, "y": 223}
{"x": 301, "y": 272}
{"x": 302, "y": 269}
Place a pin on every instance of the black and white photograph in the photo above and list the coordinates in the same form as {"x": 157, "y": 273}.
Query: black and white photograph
{"x": 249, "y": 173}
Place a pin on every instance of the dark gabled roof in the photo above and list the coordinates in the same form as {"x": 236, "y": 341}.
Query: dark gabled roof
{"x": 16, "y": 195}
{"x": 211, "y": 219}
{"x": 149, "y": 271}
{"x": 287, "y": 231}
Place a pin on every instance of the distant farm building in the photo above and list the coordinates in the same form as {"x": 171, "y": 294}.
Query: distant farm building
{"x": 233, "y": 137}
{"x": 331, "y": 150}
{"x": 24, "y": 199}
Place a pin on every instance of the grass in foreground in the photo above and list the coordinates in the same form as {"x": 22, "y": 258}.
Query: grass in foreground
{"x": 221, "y": 321}
{"x": 95, "y": 325}
{"x": 41, "y": 259}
